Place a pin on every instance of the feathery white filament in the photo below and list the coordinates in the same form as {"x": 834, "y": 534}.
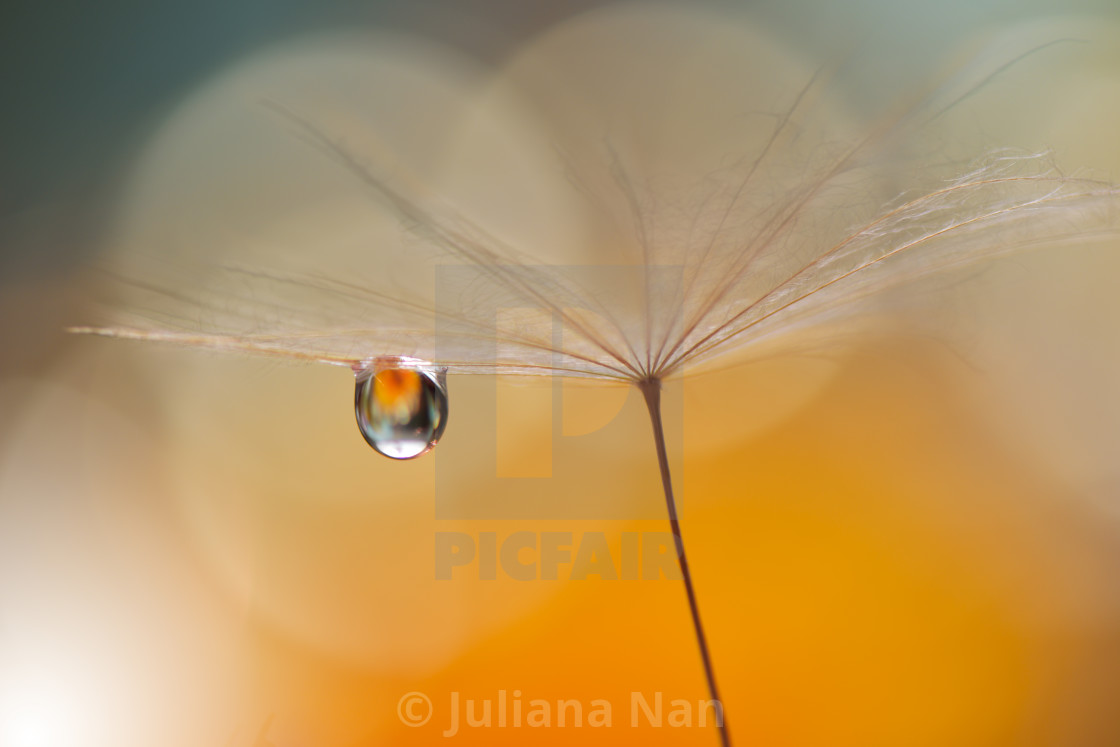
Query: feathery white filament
{"x": 718, "y": 198}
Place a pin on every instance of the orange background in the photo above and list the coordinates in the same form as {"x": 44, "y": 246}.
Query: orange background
{"x": 911, "y": 542}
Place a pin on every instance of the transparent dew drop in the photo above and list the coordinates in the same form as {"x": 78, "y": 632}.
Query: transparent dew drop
{"x": 401, "y": 406}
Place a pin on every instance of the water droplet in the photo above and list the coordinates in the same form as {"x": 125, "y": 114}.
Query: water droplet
{"x": 401, "y": 406}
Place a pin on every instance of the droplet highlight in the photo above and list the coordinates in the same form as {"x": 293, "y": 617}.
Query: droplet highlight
{"x": 401, "y": 407}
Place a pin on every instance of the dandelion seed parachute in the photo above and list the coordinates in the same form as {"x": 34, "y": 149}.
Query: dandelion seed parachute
{"x": 687, "y": 225}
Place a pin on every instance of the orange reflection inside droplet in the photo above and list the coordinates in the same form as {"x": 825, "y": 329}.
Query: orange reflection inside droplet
{"x": 398, "y": 393}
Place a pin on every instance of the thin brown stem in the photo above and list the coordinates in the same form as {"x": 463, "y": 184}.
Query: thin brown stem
{"x": 651, "y": 389}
